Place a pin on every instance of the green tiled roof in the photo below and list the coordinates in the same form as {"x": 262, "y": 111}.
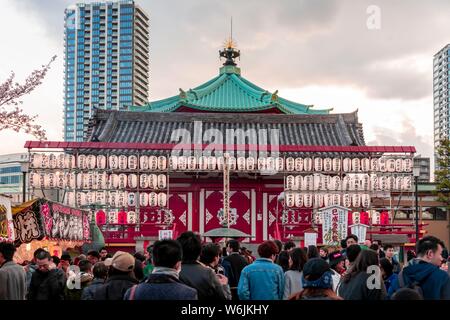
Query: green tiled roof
{"x": 228, "y": 92}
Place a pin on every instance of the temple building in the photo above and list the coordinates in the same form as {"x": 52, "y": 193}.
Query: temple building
{"x": 225, "y": 154}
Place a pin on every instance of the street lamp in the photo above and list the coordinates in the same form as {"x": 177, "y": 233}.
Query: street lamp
{"x": 416, "y": 173}
{"x": 24, "y": 168}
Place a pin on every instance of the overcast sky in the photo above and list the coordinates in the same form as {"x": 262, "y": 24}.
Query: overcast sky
{"x": 312, "y": 51}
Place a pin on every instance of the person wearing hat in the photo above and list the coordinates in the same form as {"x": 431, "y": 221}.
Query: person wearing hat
{"x": 120, "y": 277}
{"x": 317, "y": 282}
{"x": 337, "y": 265}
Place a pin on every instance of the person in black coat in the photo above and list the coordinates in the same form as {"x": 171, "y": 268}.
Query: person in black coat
{"x": 163, "y": 283}
{"x": 47, "y": 282}
{"x": 233, "y": 264}
{"x": 120, "y": 277}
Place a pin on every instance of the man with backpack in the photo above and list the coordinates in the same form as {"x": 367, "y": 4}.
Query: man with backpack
{"x": 423, "y": 274}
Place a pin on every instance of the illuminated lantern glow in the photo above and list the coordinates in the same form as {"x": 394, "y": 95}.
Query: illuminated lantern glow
{"x": 162, "y": 163}
{"x": 336, "y": 164}
{"x": 132, "y": 162}
{"x": 113, "y": 162}
{"x": 250, "y": 162}
{"x": 143, "y": 163}
{"x": 307, "y": 164}
{"x": 101, "y": 162}
{"x": 318, "y": 164}
{"x": 290, "y": 164}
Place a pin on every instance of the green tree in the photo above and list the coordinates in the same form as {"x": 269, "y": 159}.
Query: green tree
{"x": 442, "y": 174}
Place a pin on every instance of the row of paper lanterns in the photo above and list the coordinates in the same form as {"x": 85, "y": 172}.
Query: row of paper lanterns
{"x": 155, "y": 163}
{"x": 96, "y": 180}
{"x": 356, "y": 182}
{"x": 363, "y": 217}
{"x": 116, "y": 198}
{"x": 318, "y": 200}
{"x": 114, "y": 217}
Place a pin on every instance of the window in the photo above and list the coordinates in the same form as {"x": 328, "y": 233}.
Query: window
{"x": 126, "y": 64}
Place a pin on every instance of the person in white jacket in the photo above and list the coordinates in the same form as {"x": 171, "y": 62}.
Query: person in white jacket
{"x": 293, "y": 282}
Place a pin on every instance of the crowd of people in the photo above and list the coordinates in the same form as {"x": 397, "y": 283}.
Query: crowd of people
{"x": 186, "y": 269}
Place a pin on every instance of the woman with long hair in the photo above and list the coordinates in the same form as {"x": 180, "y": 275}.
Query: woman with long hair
{"x": 313, "y": 252}
{"x": 293, "y": 277}
{"x": 364, "y": 281}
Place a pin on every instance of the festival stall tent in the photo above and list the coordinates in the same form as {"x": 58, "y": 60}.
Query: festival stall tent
{"x": 153, "y": 180}
{"x": 46, "y": 224}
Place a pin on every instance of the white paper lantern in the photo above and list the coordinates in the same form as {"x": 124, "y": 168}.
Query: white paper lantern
{"x": 90, "y": 197}
{"x": 162, "y": 181}
{"x": 153, "y": 181}
{"x": 346, "y": 183}
{"x": 202, "y": 163}
{"x": 374, "y": 182}
{"x": 336, "y": 199}
{"x": 332, "y": 183}
{"x": 152, "y": 199}
{"x": 270, "y": 162}
{"x": 299, "y": 200}
{"x": 317, "y": 181}
{"x": 365, "y": 164}
{"x": 391, "y": 183}
{"x": 131, "y": 217}
{"x": 352, "y": 183}
{"x": 383, "y": 185}
{"x": 382, "y": 165}
{"x": 307, "y": 200}
{"x": 91, "y": 161}
{"x": 113, "y": 199}
{"x": 398, "y": 165}
{"x": 365, "y": 182}
{"x": 122, "y": 181}
{"x": 173, "y": 163}
{"x": 132, "y": 181}
{"x": 79, "y": 181}
{"x": 162, "y": 199}
{"x": 182, "y": 163}
{"x": 262, "y": 164}
{"x": 307, "y": 164}
{"x": 356, "y": 164}
{"x": 112, "y": 217}
{"x": 241, "y": 163}
{"x": 327, "y": 164}
{"x": 220, "y": 163}
{"x": 123, "y": 162}
{"x": 102, "y": 180}
{"x": 347, "y": 165}
{"x": 143, "y": 163}
{"x": 122, "y": 198}
{"x": 132, "y": 162}
{"x": 365, "y": 199}
{"x": 143, "y": 199}
{"x": 407, "y": 184}
{"x": 212, "y": 163}
{"x": 290, "y": 199}
{"x": 319, "y": 199}
{"x": 153, "y": 163}
{"x": 60, "y": 180}
{"x": 162, "y": 163}
{"x": 52, "y": 161}
{"x": 356, "y": 200}
{"x": 376, "y": 217}
{"x": 100, "y": 197}
{"x": 131, "y": 197}
{"x": 327, "y": 200}
{"x": 290, "y": 183}
{"x": 347, "y": 200}
{"x": 80, "y": 199}
{"x": 50, "y": 180}
{"x": 232, "y": 162}
{"x": 298, "y": 182}
{"x": 71, "y": 180}
{"x": 60, "y": 161}
{"x": 35, "y": 160}
{"x": 191, "y": 163}
{"x": 324, "y": 182}
{"x": 250, "y": 162}
{"x": 318, "y": 164}
{"x": 407, "y": 165}
{"x": 374, "y": 164}
{"x": 82, "y": 161}
{"x": 113, "y": 162}
{"x": 356, "y": 217}
{"x": 279, "y": 164}
{"x": 290, "y": 164}
{"x": 308, "y": 183}
{"x": 114, "y": 181}
{"x": 336, "y": 164}
{"x": 101, "y": 161}
{"x": 143, "y": 181}
{"x": 70, "y": 199}
{"x": 398, "y": 183}
{"x": 390, "y": 165}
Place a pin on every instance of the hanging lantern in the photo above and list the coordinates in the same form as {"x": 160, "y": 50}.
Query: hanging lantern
{"x": 318, "y": 164}
{"x": 398, "y": 183}
{"x": 82, "y": 161}
{"x": 100, "y": 161}
{"x": 356, "y": 164}
{"x": 191, "y": 163}
{"x": 153, "y": 181}
{"x": 336, "y": 199}
{"x": 112, "y": 217}
{"x": 71, "y": 180}
{"x": 143, "y": 181}
{"x": 383, "y": 184}
{"x": 131, "y": 217}
{"x": 327, "y": 200}
{"x": 365, "y": 182}
{"x": 353, "y": 182}
{"x": 299, "y": 200}
{"x": 132, "y": 181}
{"x": 365, "y": 165}
{"x": 382, "y": 164}
{"x": 324, "y": 182}
{"x": 123, "y": 162}
{"x": 391, "y": 183}
{"x": 232, "y": 163}
{"x": 308, "y": 182}
{"x": 319, "y": 199}
{"x": 80, "y": 199}
{"x": 88, "y": 180}
{"x": 35, "y": 160}
{"x": 60, "y": 161}
{"x": 407, "y": 184}
{"x": 241, "y": 163}
{"x": 122, "y": 181}
{"x": 270, "y": 162}
{"x": 262, "y": 164}
{"x": 173, "y": 163}
{"x": 356, "y": 200}
{"x": 307, "y": 200}
{"x": 376, "y": 217}
{"x": 91, "y": 161}
{"x": 162, "y": 199}
{"x": 113, "y": 199}
{"x": 132, "y": 162}
{"x": 90, "y": 197}
{"x": 347, "y": 165}
{"x": 153, "y": 163}
{"x": 100, "y": 197}
{"x": 60, "y": 180}
{"x": 390, "y": 165}
{"x": 307, "y": 164}
{"x": 152, "y": 199}
{"x": 327, "y": 164}
{"x": 212, "y": 163}
{"x": 332, "y": 183}
{"x": 291, "y": 164}
{"x": 298, "y": 182}
{"x": 374, "y": 164}
{"x": 52, "y": 161}
{"x": 250, "y": 162}
{"x": 398, "y": 165}
{"x": 290, "y": 183}
{"x": 102, "y": 179}
{"x": 356, "y": 218}
{"x": 162, "y": 163}
{"x": 317, "y": 181}
{"x": 347, "y": 200}
{"x": 407, "y": 165}
{"x": 80, "y": 178}
{"x": 220, "y": 163}
{"x": 365, "y": 199}
{"x": 123, "y": 198}
{"x": 346, "y": 183}
{"x": 162, "y": 181}
{"x": 279, "y": 164}
{"x": 336, "y": 164}
{"x": 50, "y": 181}
{"x": 143, "y": 163}
{"x": 113, "y": 181}
{"x": 70, "y": 199}
{"x": 143, "y": 199}
{"x": 290, "y": 199}
{"x": 131, "y": 199}
{"x": 384, "y": 217}
{"x": 113, "y": 162}
{"x": 182, "y": 163}
{"x": 374, "y": 182}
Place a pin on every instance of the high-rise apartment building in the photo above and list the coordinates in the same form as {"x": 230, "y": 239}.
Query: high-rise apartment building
{"x": 106, "y": 61}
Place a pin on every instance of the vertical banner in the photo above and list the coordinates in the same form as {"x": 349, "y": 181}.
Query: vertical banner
{"x": 335, "y": 223}
{"x": 6, "y": 222}
{"x": 310, "y": 239}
